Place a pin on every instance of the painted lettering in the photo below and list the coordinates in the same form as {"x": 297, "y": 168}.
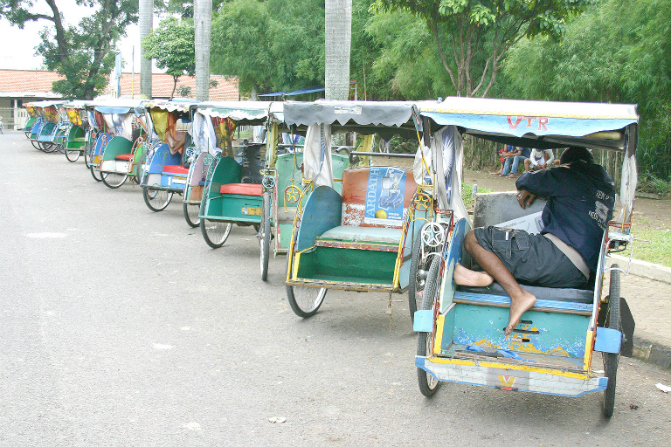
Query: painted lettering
{"x": 517, "y": 122}
{"x": 514, "y": 121}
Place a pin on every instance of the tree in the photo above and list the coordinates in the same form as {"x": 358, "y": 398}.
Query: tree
{"x": 82, "y": 54}
{"x": 203, "y": 31}
{"x": 172, "y": 46}
{"x": 463, "y": 29}
{"x": 270, "y": 45}
{"x": 338, "y": 38}
{"x": 618, "y": 51}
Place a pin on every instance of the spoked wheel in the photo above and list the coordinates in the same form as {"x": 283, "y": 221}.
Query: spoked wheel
{"x": 112, "y": 179}
{"x": 95, "y": 174}
{"x": 72, "y": 155}
{"x": 611, "y": 361}
{"x": 36, "y": 145}
{"x": 418, "y": 270}
{"x": 264, "y": 236}
{"x": 156, "y": 199}
{"x": 49, "y": 147}
{"x": 305, "y": 301}
{"x": 428, "y": 385}
{"x": 214, "y": 232}
{"x": 191, "y": 212}
{"x": 139, "y": 169}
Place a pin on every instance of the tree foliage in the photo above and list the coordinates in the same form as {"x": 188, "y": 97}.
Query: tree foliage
{"x": 172, "y": 46}
{"x": 83, "y": 53}
{"x": 463, "y": 30}
{"x": 618, "y": 51}
{"x": 270, "y": 45}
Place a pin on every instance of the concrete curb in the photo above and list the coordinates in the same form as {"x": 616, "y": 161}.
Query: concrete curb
{"x": 652, "y": 352}
{"x": 642, "y": 268}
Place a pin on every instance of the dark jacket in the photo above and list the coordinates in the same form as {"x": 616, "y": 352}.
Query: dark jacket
{"x": 580, "y": 203}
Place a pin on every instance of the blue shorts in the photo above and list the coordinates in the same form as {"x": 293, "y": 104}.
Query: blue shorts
{"x": 532, "y": 258}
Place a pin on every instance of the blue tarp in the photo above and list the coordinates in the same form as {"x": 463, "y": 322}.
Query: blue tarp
{"x": 296, "y": 92}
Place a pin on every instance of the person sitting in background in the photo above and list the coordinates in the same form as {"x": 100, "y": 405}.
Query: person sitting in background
{"x": 539, "y": 159}
{"x": 580, "y": 203}
{"x": 504, "y": 153}
{"x": 512, "y": 163}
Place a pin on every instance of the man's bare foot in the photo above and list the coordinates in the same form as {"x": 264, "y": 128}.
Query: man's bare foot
{"x": 518, "y": 306}
{"x": 467, "y": 277}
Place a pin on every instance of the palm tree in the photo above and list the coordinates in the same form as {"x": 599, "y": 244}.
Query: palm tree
{"x": 146, "y": 26}
{"x": 202, "y": 15}
{"x": 338, "y": 36}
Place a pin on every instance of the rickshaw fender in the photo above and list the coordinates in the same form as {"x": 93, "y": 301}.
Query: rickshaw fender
{"x": 608, "y": 340}
{"x": 423, "y": 321}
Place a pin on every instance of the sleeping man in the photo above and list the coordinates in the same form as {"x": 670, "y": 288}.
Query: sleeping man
{"x": 580, "y": 202}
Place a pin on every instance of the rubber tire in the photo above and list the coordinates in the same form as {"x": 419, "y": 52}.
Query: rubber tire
{"x": 139, "y": 168}
{"x": 428, "y": 385}
{"x": 264, "y": 236}
{"x": 315, "y": 299}
{"x": 152, "y": 202}
{"x": 108, "y": 179}
{"x": 193, "y": 223}
{"x": 72, "y": 155}
{"x": 416, "y": 264}
{"x": 95, "y": 174}
{"x": 611, "y": 361}
{"x": 209, "y": 235}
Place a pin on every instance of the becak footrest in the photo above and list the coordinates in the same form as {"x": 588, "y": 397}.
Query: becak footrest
{"x": 242, "y": 189}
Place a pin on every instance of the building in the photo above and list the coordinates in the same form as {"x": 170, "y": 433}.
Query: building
{"x": 20, "y": 86}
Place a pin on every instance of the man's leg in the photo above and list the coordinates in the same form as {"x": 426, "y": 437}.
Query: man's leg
{"x": 520, "y": 299}
{"x": 506, "y": 166}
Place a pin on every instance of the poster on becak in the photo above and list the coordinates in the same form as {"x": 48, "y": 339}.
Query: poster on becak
{"x": 384, "y": 195}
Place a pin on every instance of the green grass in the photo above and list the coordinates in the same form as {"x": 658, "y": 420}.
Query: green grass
{"x": 652, "y": 245}
{"x": 467, "y": 194}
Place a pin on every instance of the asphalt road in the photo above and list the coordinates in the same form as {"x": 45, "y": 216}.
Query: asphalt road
{"x": 121, "y": 327}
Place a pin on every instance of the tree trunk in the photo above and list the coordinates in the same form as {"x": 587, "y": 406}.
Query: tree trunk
{"x": 202, "y": 16}
{"x": 146, "y": 27}
{"x": 338, "y": 37}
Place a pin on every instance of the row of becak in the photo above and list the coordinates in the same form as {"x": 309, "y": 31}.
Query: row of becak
{"x": 353, "y": 218}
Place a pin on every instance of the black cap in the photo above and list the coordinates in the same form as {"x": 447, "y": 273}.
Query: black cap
{"x": 574, "y": 154}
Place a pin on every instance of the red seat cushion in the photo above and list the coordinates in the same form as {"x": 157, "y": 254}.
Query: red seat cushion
{"x": 175, "y": 169}
{"x": 244, "y": 189}
{"x": 123, "y": 157}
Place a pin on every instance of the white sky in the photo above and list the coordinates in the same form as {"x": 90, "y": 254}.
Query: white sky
{"x": 18, "y": 45}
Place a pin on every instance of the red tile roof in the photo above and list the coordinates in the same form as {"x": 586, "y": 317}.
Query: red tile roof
{"x": 31, "y": 82}
{"x": 38, "y": 83}
{"x": 161, "y": 86}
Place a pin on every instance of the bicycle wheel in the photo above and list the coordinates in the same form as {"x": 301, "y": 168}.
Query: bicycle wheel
{"x": 96, "y": 174}
{"x": 72, "y": 155}
{"x": 305, "y": 301}
{"x": 428, "y": 385}
{"x": 139, "y": 169}
{"x": 112, "y": 179}
{"x": 156, "y": 199}
{"x": 191, "y": 212}
{"x": 418, "y": 269}
{"x": 611, "y": 361}
{"x": 264, "y": 236}
{"x": 215, "y": 232}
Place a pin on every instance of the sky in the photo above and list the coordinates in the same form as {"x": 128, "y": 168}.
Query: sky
{"x": 18, "y": 45}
